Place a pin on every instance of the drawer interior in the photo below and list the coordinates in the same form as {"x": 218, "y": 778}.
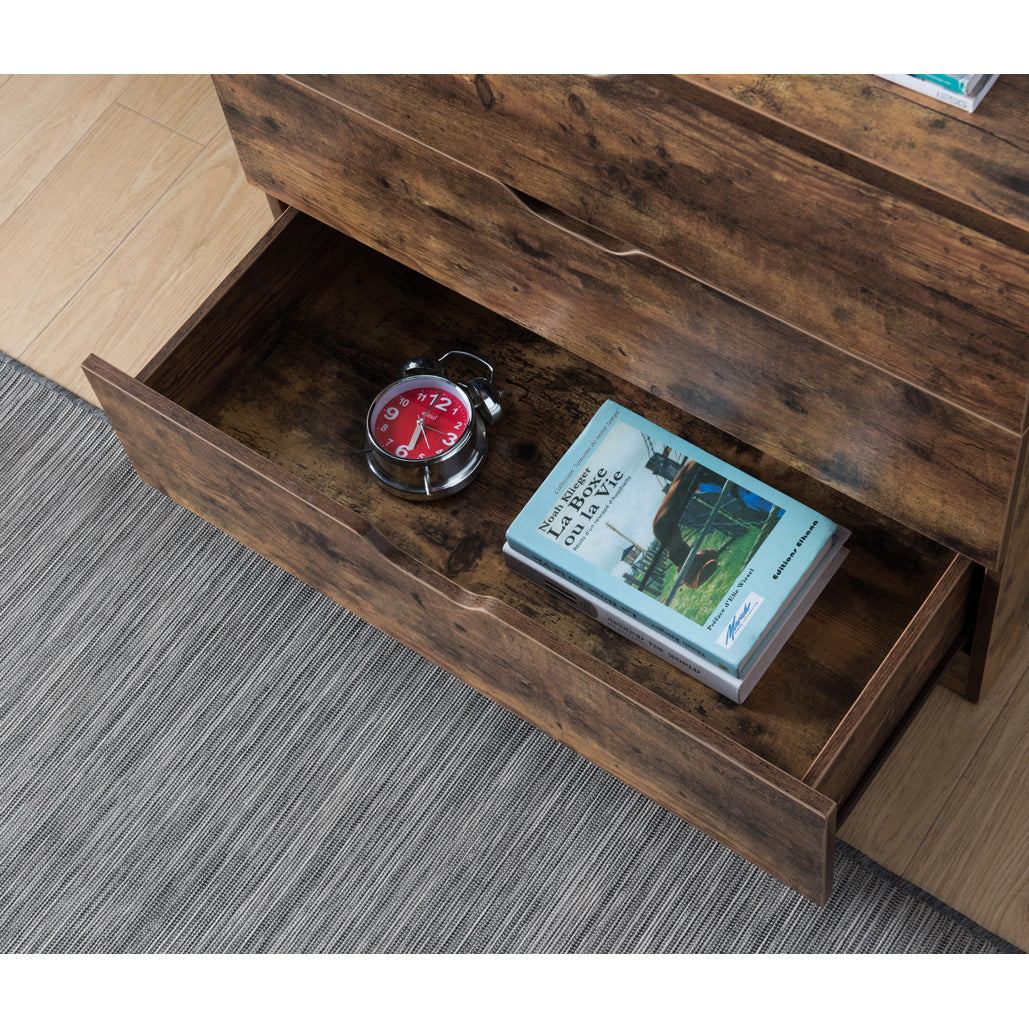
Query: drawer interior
{"x": 287, "y": 358}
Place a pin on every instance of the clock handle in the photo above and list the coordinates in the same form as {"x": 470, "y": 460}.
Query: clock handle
{"x": 472, "y": 356}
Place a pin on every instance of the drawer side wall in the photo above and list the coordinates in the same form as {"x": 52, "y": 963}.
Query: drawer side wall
{"x": 916, "y": 658}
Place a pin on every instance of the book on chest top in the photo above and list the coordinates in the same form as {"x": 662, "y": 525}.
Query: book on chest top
{"x": 667, "y": 536}
{"x": 964, "y": 91}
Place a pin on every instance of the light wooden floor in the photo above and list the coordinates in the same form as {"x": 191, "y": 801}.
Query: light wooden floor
{"x": 122, "y": 206}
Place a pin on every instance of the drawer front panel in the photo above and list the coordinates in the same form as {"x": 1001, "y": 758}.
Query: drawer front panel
{"x": 973, "y": 169}
{"x": 904, "y": 451}
{"x": 768, "y": 817}
{"x": 646, "y": 161}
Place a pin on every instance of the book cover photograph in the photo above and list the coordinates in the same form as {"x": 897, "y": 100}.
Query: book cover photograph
{"x": 673, "y": 537}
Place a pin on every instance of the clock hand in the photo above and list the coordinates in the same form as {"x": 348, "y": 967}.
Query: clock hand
{"x": 418, "y": 428}
{"x": 423, "y": 426}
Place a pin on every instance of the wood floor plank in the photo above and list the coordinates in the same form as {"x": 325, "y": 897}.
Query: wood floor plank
{"x": 199, "y": 230}
{"x": 974, "y": 857}
{"x": 53, "y": 243}
{"x": 183, "y": 103}
{"x": 42, "y": 117}
{"x": 891, "y": 821}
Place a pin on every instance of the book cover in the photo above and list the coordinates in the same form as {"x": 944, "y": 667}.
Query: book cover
{"x": 673, "y": 537}
{"x": 735, "y": 689}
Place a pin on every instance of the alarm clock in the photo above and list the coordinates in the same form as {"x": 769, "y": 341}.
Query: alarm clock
{"x": 426, "y": 432}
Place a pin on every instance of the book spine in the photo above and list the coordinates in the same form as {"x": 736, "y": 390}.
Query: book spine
{"x": 627, "y": 627}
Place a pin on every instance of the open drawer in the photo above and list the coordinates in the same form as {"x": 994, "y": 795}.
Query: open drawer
{"x": 252, "y": 417}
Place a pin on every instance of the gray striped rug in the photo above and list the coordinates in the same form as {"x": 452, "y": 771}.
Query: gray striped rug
{"x": 199, "y": 754}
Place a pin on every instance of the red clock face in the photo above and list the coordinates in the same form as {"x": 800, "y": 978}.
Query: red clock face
{"x": 418, "y": 418}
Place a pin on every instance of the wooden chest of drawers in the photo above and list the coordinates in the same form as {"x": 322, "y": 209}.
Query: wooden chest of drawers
{"x": 845, "y": 323}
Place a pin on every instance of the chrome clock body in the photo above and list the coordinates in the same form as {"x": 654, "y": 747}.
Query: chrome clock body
{"x": 425, "y": 433}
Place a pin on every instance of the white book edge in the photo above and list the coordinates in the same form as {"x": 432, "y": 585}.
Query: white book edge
{"x": 735, "y": 689}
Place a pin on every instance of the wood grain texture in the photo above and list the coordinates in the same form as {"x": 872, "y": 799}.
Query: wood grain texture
{"x": 780, "y": 825}
{"x": 974, "y": 852}
{"x": 289, "y": 473}
{"x": 970, "y": 166}
{"x": 184, "y": 103}
{"x": 160, "y": 273}
{"x": 1004, "y": 618}
{"x": 303, "y": 407}
{"x": 42, "y": 117}
{"x": 923, "y": 647}
{"x": 49, "y": 251}
{"x": 892, "y": 819}
{"x": 646, "y": 161}
{"x": 933, "y": 466}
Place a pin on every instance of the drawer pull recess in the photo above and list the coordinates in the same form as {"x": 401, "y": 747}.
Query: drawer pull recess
{"x": 574, "y": 226}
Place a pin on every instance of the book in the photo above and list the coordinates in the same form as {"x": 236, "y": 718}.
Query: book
{"x": 926, "y": 84}
{"x": 704, "y": 554}
{"x": 967, "y": 85}
{"x": 735, "y": 689}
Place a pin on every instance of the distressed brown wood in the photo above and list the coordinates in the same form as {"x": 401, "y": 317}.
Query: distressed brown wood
{"x": 1004, "y": 615}
{"x": 232, "y": 329}
{"x": 305, "y": 404}
{"x": 929, "y": 463}
{"x": 967, "y": 166}
{"x": 920, "y": 650}
{"x": 649, "y": 161}
{"x": 272, "y": 462}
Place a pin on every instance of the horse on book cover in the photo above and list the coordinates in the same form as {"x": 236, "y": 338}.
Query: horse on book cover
{"x": 666, "y": 526}
{"x": 734, "y": 510}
